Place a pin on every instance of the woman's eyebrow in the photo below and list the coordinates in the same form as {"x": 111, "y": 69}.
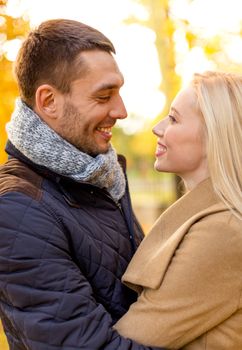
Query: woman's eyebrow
{"x": 175, "y": 110}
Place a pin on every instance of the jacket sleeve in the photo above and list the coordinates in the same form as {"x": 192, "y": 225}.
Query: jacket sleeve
{"x": 45, "y": 298}
{"x": 201, "y": 289}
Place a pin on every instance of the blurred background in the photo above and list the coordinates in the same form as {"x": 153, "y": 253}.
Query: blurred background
{"x": 159, "y": 44}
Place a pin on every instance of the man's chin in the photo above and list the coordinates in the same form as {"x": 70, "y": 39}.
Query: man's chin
{"x": 102, "y": 150}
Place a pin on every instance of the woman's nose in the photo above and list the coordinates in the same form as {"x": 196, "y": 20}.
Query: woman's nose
{"x": 160, "y": 127}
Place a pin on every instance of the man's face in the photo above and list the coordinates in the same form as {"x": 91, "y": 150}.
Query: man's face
{"x": 93, "y": 105}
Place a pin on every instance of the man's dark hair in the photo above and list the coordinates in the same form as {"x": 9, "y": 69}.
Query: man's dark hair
{"x": 49, "y": 55}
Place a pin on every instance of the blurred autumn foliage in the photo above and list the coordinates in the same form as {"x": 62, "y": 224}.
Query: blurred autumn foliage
{"x": 10, "y": 29}
{"x": 3, "y": 340}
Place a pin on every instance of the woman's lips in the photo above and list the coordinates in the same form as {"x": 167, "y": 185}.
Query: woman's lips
{"x": 160, "y": 150}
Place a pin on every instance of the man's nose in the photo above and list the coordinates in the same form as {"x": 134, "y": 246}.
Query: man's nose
{"x": 119, "y": 110}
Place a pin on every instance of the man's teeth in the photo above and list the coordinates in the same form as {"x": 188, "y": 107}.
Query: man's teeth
{"x": 104, "y": 129}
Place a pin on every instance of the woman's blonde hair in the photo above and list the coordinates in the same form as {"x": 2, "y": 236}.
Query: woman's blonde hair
{"x": 220, "y": 102}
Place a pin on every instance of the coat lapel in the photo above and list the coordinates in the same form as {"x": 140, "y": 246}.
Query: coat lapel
{"x": 149, "y": 264}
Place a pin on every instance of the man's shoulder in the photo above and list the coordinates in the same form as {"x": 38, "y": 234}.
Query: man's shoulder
{"x": 16, "y": 176}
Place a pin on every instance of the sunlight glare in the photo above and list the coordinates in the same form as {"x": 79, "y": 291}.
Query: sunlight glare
{"x": 207, "y": 17}
{"x": 10, "y": 49}
{"x": 234, "y": 50}
{"x": 194, "y": 62}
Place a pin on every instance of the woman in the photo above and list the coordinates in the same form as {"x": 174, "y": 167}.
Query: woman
{"x": 188, "y": 270}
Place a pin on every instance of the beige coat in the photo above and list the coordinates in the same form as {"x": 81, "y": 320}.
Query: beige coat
{"x": 189, "y": 273}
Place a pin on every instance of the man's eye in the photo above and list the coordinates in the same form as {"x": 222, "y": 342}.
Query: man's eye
{"x": 172, "y": 119}
{"x": 104, "y": 98}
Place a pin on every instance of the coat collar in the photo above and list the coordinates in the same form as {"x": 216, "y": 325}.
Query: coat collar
{"x": 149, "y": 264}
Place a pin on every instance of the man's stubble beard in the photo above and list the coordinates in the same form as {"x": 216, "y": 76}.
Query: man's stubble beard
{"x": 70, "y": 123}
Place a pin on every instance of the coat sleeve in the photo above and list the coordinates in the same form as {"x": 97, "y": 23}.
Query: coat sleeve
{"x": 45, "y": 299}
{"x": 200, "y": 289}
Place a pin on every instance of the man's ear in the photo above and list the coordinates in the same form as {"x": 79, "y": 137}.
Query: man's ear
{"x": 47, "y": 103}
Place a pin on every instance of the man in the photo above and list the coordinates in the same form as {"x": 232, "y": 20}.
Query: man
{"x": 67, "y": 231}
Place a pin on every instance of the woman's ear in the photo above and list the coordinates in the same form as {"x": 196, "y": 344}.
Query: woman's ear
{"x": 46, "y": 103}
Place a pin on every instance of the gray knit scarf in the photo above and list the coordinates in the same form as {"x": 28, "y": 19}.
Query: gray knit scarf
{"x": 39, "y": 143}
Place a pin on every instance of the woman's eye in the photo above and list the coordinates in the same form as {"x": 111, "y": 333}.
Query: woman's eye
{"x": 172, "y": 119}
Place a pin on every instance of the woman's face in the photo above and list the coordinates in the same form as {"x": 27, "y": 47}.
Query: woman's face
{"x": 181, "y": 146}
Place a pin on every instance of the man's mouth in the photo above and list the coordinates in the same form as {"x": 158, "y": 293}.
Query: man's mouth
{"x": 107, "y": 130}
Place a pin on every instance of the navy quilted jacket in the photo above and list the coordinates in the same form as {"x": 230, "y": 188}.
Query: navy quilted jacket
{"x": 63, "y": 249}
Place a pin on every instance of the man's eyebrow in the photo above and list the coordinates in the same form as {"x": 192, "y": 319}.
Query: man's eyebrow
{"x": 107, "y": 87}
